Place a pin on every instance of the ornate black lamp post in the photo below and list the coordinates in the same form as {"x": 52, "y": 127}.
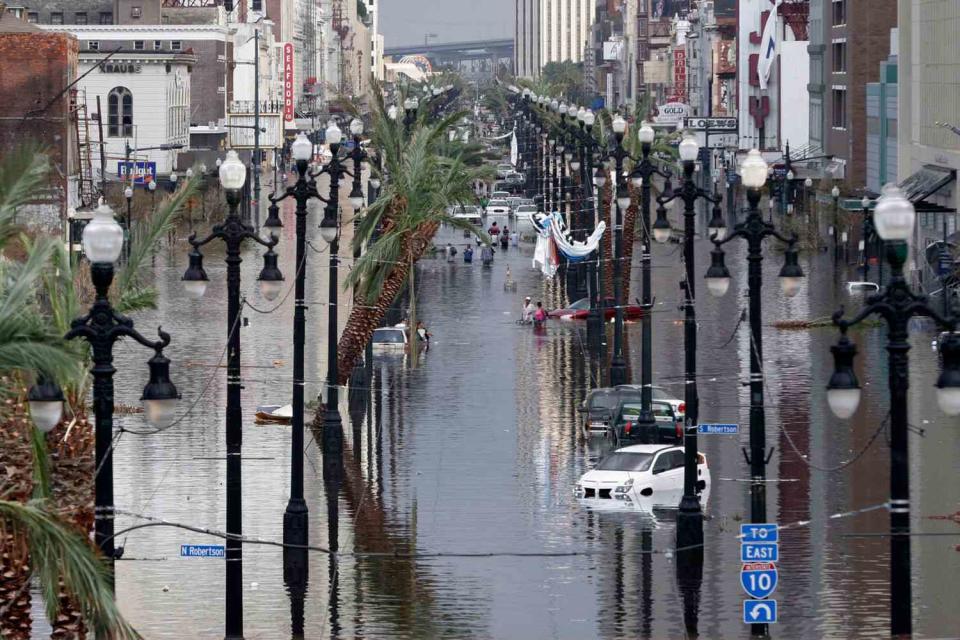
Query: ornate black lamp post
{"x": 233, "y": 231}
{"x": 754, "y": 230}
{"x": 642, "y": 174}
{"x": 295, "y": 525}
{"x": 894, "y": 217}
{"x": 102, "y": 327}
{"x": 689, "y": 515}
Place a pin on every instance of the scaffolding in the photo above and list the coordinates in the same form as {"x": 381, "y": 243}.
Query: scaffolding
{"x": 87, "y": 191}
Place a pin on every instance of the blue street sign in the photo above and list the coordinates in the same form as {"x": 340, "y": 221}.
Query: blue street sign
{"x": 759, "y": 552}
{"x": 760, "y": 532}
{"x": 758, "y": 579}
{"x": 142, "y": 171}
{"x": 759, "y": 611}
{"x": 202, "y": 551}
{"x": 718, "y": 429}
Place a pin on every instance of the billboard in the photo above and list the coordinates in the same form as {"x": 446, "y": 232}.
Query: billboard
{"x": 143, "y": 172}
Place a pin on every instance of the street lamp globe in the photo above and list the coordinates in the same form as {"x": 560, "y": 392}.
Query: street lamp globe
{"x": 328, "y": 229}
{"x": 526, "y": 93}
{"x": 645, "y": 134}
{"x": 271, "y": 280}
{"x": 45, "y": 399}
{"x": 661, "y": 226}
{"x": 573, "y": 110}
{"x": 864, "y": 202}
{"x": 160, "y": 396}
{"x": 599, "y": 178}
{"x": 232, "y": 172}
{"x": 753, "y": 170}
{"x": 128, "y": 193}
{"x": 174, "y": 177}
{"x": 333, "y": 134}
{"x": 835, "y": 192}
{"x": 356, "y": 127}
{"x": 437, "y": 91}
{"x": 689, "y": 149}
{"x": 581, "y": 112}
{"x": 843, "y": 390}
{"x": 948, "y": 385}
{"x": 103, "y": 236}
{"x": 195, "y": 279}
{"x": 302, "y": 148}
{"x": 808, "y": 183}
{"x": 623, "y": 197}
{"x": 555, "y": 105}
{"x": 562, "y": 109}
{"x": 894, "y": 215}
{"x": 791, "y": 275}
{"x": 589, "y": 118}
{"x": 392, "y": 112}
{"x": 374, "y": 182}
{"x": 219, "y": 162}
{"x": 716, "y": 227}
{"x": 189, "y": 173}
{"x": 790, "y": 175}
{"x": 619, "y": 125}
{"x": 575, "y": 165}
{"x": 718, "y": 276}
{"x": 152, "y": 186}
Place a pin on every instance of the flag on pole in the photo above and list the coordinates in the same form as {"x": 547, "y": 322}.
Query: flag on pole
{"x": 514, "y": 152}
{"x": 768, "y": 46}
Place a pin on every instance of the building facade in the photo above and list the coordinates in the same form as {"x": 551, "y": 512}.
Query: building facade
{"x": 564, "y": 29}
{"x": 526, "y": 35}
{"x": 882, "y": 126}
{"x": 856, "y": 39}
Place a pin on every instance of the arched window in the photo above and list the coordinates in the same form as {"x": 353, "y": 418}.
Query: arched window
{"x": 120, "y": 113}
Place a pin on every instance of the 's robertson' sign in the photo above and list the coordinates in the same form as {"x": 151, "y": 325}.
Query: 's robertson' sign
{"x": 288, "y": 82}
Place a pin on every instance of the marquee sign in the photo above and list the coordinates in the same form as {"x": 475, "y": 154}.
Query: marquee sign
{"x": 680, "y": 74}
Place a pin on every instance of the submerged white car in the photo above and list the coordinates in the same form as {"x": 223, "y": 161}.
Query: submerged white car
{"x": 640, "y": 475}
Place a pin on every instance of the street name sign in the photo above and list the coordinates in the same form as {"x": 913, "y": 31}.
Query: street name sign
{"x": 759, "y": 611}
{"x": 202, "y": 551}
{"x": 759, "y": 552}
{"x": 718, "y": 429}
{"x": 714, "y": 124}
{"x": 758, "y": 579}
{"x": 765, "y": 532}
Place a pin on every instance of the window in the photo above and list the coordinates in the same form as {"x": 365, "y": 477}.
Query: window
{"x": 33, "y": 17}
{"x": 80, "y": 17}
{"x": 93, "y": 45}
{"x": 120, "y": 113}
{"x": 839, "y": 108}
{"x": 157, "y": 45}
{"x": 625, "y": 461}
{"x": 176, "y": 45}
{"x": 56, "y": 17}
{"x": 839, "y": 12}
{"x": 256, "y": 5}
{"x": 840, "y": 57}
{"x": 138, "y": 45}
{"x": 106, "y": 17}
{"x": 136, "y": 12}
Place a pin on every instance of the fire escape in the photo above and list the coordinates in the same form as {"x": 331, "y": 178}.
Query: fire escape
{"x": 86, "y": 185}
{"x": 796, "y": 14}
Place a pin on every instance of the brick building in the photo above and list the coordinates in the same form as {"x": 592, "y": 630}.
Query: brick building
{"x": 855, "y": 39}
{"x": 36, "y": 70}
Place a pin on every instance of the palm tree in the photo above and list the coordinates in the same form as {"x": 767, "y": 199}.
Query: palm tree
{"x": 421, "y": 182}
{"x": 46, "y": 509}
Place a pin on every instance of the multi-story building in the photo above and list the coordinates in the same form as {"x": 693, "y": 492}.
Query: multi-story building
{"x": 928, "y": 137}
{"x": 882, "y": 126}
{"x": 36, "y": 69}
{"x": 565, "y": 29}
{"x": 526, "y": 36}
{"x": 855, "y": 39}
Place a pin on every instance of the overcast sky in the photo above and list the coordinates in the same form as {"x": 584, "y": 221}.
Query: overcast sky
{"x": 405, "y": 22}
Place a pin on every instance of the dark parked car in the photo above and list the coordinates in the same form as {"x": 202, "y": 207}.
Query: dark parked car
{"x": 669, "y": 427}
{"x": 599, "y": 405}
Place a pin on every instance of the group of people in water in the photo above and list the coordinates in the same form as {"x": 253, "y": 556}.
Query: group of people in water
{"x": 535, "y": 314}
{"x": 498, "y": 234}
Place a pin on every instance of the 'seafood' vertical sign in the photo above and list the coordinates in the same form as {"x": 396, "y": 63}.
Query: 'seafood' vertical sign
{"x": 288, "y": 82}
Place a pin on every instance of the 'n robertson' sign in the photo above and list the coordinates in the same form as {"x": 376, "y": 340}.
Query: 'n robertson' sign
{"x": 120, "y": 67}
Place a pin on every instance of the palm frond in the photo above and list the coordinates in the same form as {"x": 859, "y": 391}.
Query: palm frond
{"x": 58, "y": 553}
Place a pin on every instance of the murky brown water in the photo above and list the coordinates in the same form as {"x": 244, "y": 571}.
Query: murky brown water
{"x": 477, "y": 451}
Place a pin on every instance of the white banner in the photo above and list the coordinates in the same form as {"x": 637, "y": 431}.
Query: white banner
{"x": 514, "y": 151}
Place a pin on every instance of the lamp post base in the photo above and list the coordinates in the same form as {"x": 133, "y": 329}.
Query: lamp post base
{"x": 618, "y": 371}
{"x": 594, "y": 330}
{"x": 295, "y": 523}
{"x": 689, "y": 523}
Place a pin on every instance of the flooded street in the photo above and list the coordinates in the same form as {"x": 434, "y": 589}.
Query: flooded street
{"x": 465, "y": 467}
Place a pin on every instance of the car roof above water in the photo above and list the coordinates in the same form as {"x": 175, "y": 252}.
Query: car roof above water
{"x": 644, "y": 448}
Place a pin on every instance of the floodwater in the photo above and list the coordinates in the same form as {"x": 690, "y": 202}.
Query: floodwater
{"x": 465, "y": 466}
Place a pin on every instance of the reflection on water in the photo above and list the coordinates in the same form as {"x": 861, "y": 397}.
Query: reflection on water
{"x": 476, "y": 452}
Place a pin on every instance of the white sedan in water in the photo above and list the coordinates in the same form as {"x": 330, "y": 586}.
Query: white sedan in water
{"x": 641, "y": 475}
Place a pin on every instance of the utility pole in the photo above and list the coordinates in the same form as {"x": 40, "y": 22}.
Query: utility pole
{"x": 256, "y": 129}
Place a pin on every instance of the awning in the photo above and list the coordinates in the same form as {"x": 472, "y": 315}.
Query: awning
{"x": 926, "y": 182}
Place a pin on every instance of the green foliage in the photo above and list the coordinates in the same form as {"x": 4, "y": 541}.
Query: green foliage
{"x": 58, "y": 553}
{"x": 565, "y": 79}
